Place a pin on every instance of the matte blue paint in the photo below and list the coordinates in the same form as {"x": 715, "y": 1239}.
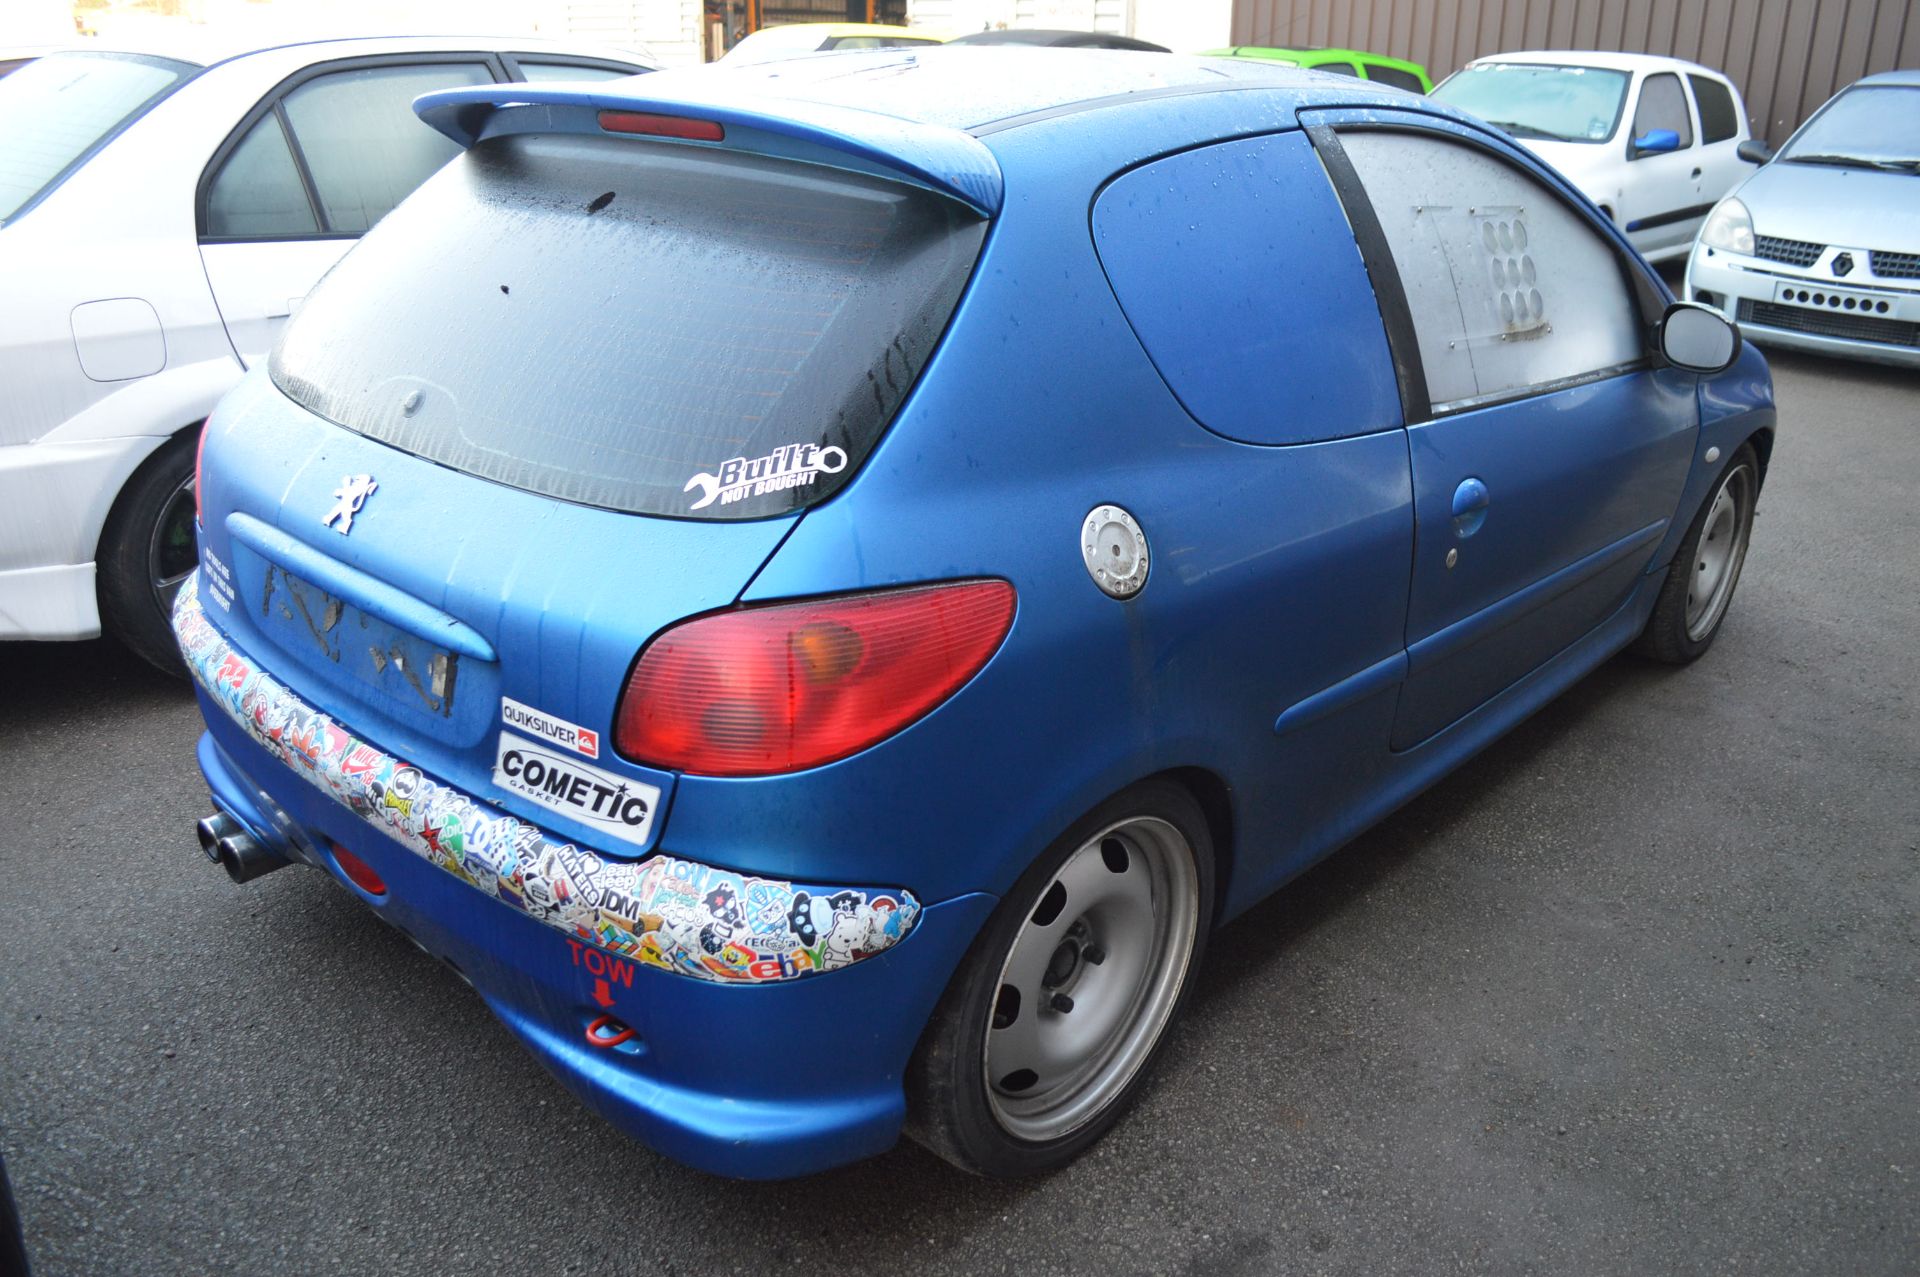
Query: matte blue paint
{"x": 1244, "y": 224}
{"x": 1300, "y": 638}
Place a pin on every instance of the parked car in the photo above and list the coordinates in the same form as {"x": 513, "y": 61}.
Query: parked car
{"x": 13, "y": 57}
{"x": 818, "y": 671}
{"x": 1653, "y": 141}
{"x": 1055, "y": 39}
{"x": 1396, "y": 73}
{"x": 161, "y": 214}
{"x": 1820, "y": 249}
{"x": 798, "y": 39}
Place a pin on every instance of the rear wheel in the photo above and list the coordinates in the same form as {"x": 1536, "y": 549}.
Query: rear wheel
{"x": 147, "y": 550}
{"x": 1048, "y": 1030}
{"x": 1699, "y": 586}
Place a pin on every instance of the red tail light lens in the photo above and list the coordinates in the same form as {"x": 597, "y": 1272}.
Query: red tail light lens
{"x": 778, "y": 689}
{"x": 358, "y": 871}
{"x": 647, "y": 124}
{"x": 199, "y": 458}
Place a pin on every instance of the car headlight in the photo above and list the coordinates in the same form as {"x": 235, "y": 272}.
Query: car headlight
{"x": 1729, "y": 227}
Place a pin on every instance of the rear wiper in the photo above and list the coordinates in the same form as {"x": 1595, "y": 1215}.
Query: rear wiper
{"x": 1527, "y": 130}
{"x": 1856, "y": 161}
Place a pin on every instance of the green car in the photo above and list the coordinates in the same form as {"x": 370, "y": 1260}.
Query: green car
{"x": 1394, "y": 72}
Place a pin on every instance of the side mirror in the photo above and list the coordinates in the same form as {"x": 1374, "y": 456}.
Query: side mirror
{"x": 1656, "y": 142}
{"x": 1754, "y": 151}
{"x": 1697, "y": 338}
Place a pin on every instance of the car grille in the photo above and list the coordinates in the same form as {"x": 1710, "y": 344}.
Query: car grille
{"x": 1896, "y": 265}
{"x": 1824, "y": 323}
{"x": 1794, "y": 252}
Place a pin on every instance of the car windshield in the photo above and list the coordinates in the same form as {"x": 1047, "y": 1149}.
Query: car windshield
{"x": 1534, "y": 101}
{"x": 1876, "y": 126}
{"x": 644, "y": 327}
{"x": 56, "y": 109}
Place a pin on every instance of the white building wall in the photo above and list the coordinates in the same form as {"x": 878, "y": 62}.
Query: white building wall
{"x": 669, "y": 29}
{"x": 1181, "y": 25}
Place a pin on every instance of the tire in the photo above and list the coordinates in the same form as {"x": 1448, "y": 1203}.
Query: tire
{"x": 1700, "y": 582}
{"x": 1075, "y": 937}
{"x": 146, "y": 550}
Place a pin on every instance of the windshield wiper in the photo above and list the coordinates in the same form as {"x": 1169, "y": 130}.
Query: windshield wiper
{"x": 1518, "y": 129}
{"x": 1857, "y": 161}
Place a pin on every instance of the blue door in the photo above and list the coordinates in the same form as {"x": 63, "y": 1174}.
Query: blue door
{"x": 1547, "y": 453}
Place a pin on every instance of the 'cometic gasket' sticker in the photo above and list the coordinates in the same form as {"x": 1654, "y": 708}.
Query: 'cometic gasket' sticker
{"x": 615, "y": 805}
{"x": 793, "y": 466}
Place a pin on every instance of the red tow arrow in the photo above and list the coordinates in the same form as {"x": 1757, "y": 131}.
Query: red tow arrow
{"x": 602, "y": 994}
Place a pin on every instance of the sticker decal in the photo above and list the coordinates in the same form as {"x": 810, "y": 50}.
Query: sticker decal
{"x": 619, "y": 807}
{"x": 581, "y": 740}
{"x": 677, "y": 915}
{"x": 792, "y": 466}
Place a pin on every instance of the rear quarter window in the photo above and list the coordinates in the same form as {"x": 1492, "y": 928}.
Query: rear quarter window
{"x": 638, "y": 326}
{"x": 1237, "y": 270}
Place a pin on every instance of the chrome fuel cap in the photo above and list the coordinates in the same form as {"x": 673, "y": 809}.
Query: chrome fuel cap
{"x": 1115, "y": 551}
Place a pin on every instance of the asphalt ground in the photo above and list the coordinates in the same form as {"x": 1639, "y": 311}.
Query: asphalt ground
{"x": 1634, "y": 992}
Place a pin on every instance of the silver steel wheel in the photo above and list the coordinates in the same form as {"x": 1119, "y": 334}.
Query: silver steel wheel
{"x": 1720, "y": 552}
{"x": 1093, "y": 974}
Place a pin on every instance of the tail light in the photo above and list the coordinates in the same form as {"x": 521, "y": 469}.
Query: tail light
{"x": 775, "y": 689}
{"x": 199, "y": 458}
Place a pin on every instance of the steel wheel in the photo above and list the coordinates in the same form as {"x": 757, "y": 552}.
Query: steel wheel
{"x": 1721, "y": 551}
{"x": 1093, "y": 975}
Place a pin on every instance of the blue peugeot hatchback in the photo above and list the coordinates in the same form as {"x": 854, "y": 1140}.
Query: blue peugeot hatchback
{"x": 816, "y": 587}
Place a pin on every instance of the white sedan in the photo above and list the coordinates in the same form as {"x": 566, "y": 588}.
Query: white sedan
{"x": 160, "y": 217}
{"x": 1653, "y": 141}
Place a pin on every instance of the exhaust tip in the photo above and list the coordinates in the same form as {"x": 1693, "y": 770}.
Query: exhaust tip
{"x": 211, "y": 830}
{"x": 228, "y": 844}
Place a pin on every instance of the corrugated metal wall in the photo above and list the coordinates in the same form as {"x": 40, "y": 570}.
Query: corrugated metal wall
{"x": 1787, "y": 56}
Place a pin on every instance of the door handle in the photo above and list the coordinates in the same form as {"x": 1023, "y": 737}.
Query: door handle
{"x": 1470, "y": 502}
{"x": 1696, "y": 172}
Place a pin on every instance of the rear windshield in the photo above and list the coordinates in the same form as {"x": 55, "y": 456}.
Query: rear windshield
{"x": 55, "y": 109}
{"x": 639, "y": 326}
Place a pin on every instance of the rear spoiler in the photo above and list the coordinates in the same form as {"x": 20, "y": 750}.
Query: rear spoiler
{"x": 943, "y": 160}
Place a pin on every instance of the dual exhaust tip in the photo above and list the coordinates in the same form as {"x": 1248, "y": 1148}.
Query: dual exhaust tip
{"x": 229, "y": 845}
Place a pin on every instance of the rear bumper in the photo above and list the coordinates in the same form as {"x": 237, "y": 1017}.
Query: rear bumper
{"x": 1882, "y": 337}
{"x": 752, "y": 1079}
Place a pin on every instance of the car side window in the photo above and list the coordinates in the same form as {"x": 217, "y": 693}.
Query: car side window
{"x": 363, "y": 144}
{"x": 542, "y": 72}
{"x": 1663, "y": 105}
{"x": 1719, "y": 118}
{"x": 1510, "y": 291}
{"x": 1395, "y": 78}
{"x": 1338, "y": 68}
{"x": 257, "y": 193}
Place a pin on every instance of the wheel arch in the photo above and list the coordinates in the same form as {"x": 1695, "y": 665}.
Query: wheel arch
{"x": 1215, "y": 797}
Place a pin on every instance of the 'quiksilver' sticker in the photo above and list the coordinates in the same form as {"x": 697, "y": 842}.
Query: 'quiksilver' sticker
{"x": 622, "y": 808}
{"x": 581, "y": 740}
{"x": 793, "y": 466}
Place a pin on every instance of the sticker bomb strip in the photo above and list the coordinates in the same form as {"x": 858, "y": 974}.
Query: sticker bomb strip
{"x": 674, "y": 914}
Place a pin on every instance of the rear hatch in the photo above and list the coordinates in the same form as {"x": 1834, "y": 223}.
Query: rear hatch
{"x": 574, "y": 390}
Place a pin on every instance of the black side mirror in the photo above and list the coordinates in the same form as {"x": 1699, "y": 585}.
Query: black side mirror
{"x": 1697, "y": 338}
{"x": 1754, "y": 151}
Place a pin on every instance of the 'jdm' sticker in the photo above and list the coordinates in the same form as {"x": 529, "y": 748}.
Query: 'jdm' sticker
{"x": 616, "y": 805}
{"x": 582, "y": 740}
